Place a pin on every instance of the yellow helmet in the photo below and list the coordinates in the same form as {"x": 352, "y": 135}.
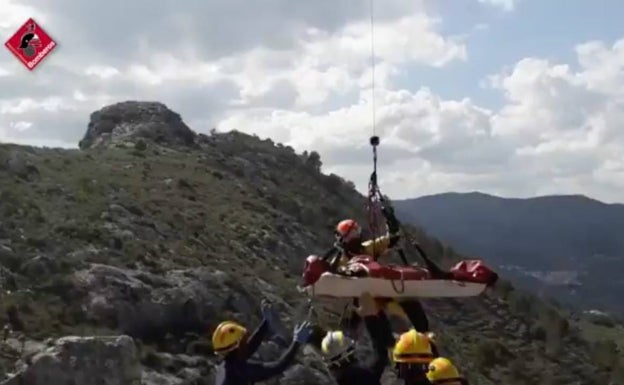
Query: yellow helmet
{"x": 442, "y": 370}
{"x": 412, "y": 347}
{"x": 227, "y": 336}
{"x": 335, "y": 346}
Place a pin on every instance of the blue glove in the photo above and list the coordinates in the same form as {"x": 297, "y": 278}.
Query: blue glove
{"x": 302, "y": 332}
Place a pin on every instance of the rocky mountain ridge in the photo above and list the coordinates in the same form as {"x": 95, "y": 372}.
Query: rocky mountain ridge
{"x": 141, "y": 247}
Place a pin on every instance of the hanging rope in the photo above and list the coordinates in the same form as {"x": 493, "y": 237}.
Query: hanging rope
{"x": 374, "y": 194}
{"x": 372, "y": 41}
{"x": 375, "y": 198}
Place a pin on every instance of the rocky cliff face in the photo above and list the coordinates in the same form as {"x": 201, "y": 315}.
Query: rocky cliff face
{"x": 155, "y": 244}
{"x": 131, "y": 120}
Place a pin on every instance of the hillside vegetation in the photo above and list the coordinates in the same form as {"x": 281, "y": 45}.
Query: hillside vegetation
{"x": 162, "y": 240}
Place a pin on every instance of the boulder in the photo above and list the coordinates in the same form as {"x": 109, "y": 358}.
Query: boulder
{"x": 73, "y": 360}
{"x": 130, "y": 120}
{"x": 150, "y": 306}
{"x": 20, "y": 164}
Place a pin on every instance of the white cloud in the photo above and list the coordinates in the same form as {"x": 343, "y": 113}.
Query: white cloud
{"x": 26, "y": 105}
{"x": 20, "y": 126}
{"x": 558, "y": 132}
{"x": 13, "y": 14}
{"x": 407, "y": 39}
{"x": 506, "y": 5}
{"x": 103, "y": 72}
{"x": 304, "y": 78}
{"x": 603, "y": 67}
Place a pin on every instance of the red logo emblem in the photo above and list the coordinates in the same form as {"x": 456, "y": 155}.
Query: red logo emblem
{"x": 30, "y": 44}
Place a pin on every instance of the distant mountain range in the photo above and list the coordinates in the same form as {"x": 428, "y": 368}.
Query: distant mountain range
{"x": 568, "y": 246}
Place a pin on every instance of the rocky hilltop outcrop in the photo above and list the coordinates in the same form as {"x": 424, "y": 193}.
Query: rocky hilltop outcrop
{"x": 123, "y": 260}
{"x": 132, "y": 120}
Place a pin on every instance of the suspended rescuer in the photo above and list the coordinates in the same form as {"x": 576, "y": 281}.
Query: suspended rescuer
{"x": 412, "y": 354}
{"x": 231, "y": 341}
{"x": 338, "y": 349}
{"x": 442, "y": 371}
{"x": 349, "y": 243}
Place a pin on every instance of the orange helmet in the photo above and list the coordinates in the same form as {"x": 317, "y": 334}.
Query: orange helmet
{"x": 348, "y": 230}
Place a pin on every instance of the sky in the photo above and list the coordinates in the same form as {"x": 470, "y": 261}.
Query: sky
{"x": 515, "y": 98}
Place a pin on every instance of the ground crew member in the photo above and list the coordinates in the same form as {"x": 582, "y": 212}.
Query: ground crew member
{"x": 230, "y": 340}
{"x": 411, "y": 355}
{"x": 339, "y": 350}
{"x": 442, "y": 371}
